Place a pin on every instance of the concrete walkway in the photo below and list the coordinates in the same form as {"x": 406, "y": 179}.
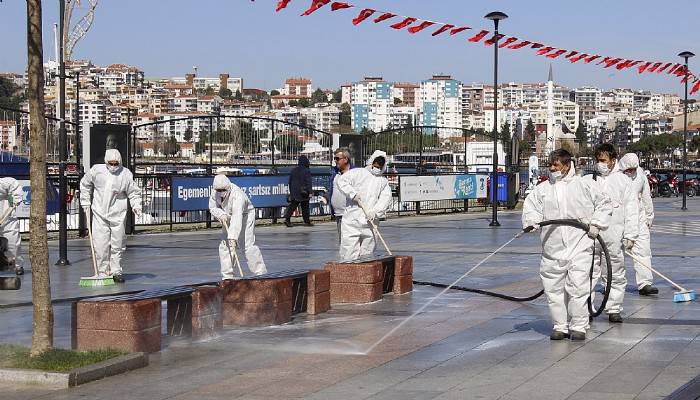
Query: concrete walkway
{"x": 463, "y": 346}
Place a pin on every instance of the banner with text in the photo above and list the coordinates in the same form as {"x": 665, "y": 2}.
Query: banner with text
{"x": 443, "y": 187}
{"x": 52, "y": 205}
{"x": 264, "y": 191}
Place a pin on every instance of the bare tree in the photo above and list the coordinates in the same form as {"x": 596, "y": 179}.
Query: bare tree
{"x": 42, "y": 322}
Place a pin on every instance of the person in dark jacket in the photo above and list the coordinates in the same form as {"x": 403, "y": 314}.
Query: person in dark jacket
{"x": 299, "y": 191}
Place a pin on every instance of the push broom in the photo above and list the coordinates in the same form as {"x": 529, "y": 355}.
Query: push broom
{"x": 96, "y": 280}
{"x": 232, "y": 252}
{"x": 678, "y": 297}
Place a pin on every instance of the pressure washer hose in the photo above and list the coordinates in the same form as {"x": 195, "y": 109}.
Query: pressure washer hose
{"x": 565, "y": 222}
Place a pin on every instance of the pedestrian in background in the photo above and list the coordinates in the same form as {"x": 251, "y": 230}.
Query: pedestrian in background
{"x": 299, "y": 191}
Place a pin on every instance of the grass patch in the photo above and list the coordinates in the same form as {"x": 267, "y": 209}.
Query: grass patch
{"x": 57, "y": 360}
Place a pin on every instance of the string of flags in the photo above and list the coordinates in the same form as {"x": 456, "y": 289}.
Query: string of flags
{"x": 414, "y": 25}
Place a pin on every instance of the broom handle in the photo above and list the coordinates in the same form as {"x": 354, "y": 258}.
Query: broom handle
{"x": 232, "y": 253}
{"x": 376, "y": 230}
{"x": 92, "y": 245}
{"x": 655, "y": 271}
{"x": 7, "y": 213}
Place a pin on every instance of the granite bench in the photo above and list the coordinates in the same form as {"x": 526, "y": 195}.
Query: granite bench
{"x": 10, "y": 282}
{"x": 132, "y": 322}
{"x": 272, "y": 298}
{"x": 367, "y": 280}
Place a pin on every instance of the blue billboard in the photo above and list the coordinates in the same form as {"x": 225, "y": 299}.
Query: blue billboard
{"x": 192, "y": 193}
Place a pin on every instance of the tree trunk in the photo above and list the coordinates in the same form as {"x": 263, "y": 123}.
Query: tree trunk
{"x": 42, "y": 322}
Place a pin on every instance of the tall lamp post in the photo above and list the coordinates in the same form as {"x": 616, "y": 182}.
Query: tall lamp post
{"x": 685, "y": 55}
{"x": 62, "y": 146}
{"x": 495, "y": 16}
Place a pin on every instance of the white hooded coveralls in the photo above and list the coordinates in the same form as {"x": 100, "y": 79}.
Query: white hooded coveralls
{"x": 357, "y": 238}
{"x": 642, "y": 246}
{"x": 235, "y": 205}
{"x": 623, "y": 225}
{"x": 11, "y": 193}
{"x": 106, "y": 193}
{"x": 566, "y": 251}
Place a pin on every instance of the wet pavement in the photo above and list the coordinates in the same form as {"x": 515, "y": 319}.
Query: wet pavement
{"x": 462, "y": 346}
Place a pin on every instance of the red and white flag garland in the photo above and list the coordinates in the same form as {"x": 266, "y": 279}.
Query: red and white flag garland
{"x": 416, "y": 25}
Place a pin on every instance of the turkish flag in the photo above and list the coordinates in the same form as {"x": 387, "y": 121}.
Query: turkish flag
{"x": 695, "y": 88}
{"x": 520, "y": 45}
{"x": 458, "y": 30}
{"x": 478, "y": 36}
{"x": 644, "y": 66}
{"x": 507, "y": 42}
{"x": 654, "y": 67}
{"x": 418, "y": 28}
{"x": 493, "y": 39}
{"x": 337, "y": 5}
{"x": 383, "y": 17}
{"x": 623, "y": 64}
{"x": 537, "y": 45}
{"x": 544, "y": 50}
{"x": 612, "y": 62}
{"x": 557, "y": 53}
{"x": 406, "y": 22}
{"x": 315, "y": 5}
{"x": 363, "y": 15}
{"x": 673, "y": 69}
{"x": 282, "y": 4}
{"x": 573, "y": 53}
{"x": 663, "y": 68}
{"x": 443, "y": 29}
{"x": 578, "y": 58}
{"x": 591, "y": 58}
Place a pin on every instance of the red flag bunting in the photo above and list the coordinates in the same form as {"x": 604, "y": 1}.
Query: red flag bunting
{"x": 458, "y": 30}
{"x": 695, "y": 88}
{"x": 623, "y": 64}
{"x": 556, "y": 53}
{"x": 406, "y": 22}
{"x": 632, "y": 64}
{"x": 507, "y": 42}
{"x": 544, "y": 50}
{"x": 686, "y": 78}
{"x": 478, "y": 36}
{"x": 663, "y": 68}
{"x": 578, "y": 58}
{"x": 654, "y": 67}
{"x": 673, "y": 69}
{"x": 282, "y": 4}
{"x": 418, "y": 28}
{"x": 573, "y": 53}
{"x": 537, "y": 45}
{"x": 383, "y": 17}
{"x": 315, "y": 5}
{"x": 644, "y": 66}
{"x": 606, "y": 59}
{"x": 493, "y": 39}
{"x": 681, "y": 71}
{"x": 591, "y": 58}
{"x": 612, "y": 62}
{"x": 520, "y": 45}
{"x": 363, "y": 15}
{"x": 443, "y": 29}
{"x": 337, "y": 5}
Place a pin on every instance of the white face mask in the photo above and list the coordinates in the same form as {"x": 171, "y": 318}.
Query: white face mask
{"x": 602, "y": 168}
{"x": 375, "y": 171}
{"x": 555, "y": 176}
{"x": 632, "y": 175}
{"x": 113, "y": 168}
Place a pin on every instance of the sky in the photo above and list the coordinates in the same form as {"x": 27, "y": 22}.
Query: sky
{"x": 249, "y": 40}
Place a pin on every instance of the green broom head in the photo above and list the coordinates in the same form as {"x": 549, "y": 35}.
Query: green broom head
{"x": 96, "y": 281}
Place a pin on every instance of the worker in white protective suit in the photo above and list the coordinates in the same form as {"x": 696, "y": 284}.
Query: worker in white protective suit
{"x": 629, "y": 164}
{"x": 368, "y": 197}
{"x": 623, "y": 230}
{"x": 105, "y": 189}
{"x": 566, "y": 251}
{"x": 231, "y": 206}
{"x": 11, "y": 195}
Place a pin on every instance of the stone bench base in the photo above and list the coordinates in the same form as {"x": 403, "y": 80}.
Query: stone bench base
{"x": 132, "y": 326}
{"x": 367, "y": 281}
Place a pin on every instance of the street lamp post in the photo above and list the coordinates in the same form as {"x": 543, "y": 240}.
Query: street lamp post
{"x": 685, "y": 55}
{"x": 495, "y": 16}
{"x": 62, "y": 147}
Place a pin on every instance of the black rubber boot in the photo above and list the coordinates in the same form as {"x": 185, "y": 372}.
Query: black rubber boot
{"x": 289, "y": 224}
{"x": 615, "y": 318}
{"x": 558, "y": 335}
{"x": 19, "y": 271}
{"x": 577, "y": 336}
{"x": 118, "y": 278}
{"x": 648, "y": 290}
